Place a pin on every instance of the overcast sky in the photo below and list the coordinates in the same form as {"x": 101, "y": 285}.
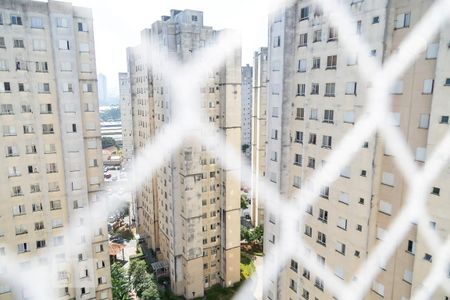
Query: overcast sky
{"x": 117, "y": 25}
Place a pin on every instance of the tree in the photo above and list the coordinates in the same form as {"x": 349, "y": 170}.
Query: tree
{"x": 151, "y": 292}
{"x": 140, "y": 279}
{"x": 258, "y": 234}
{"x": 108, "y": 141}
{"x": 120, "y": 285}
{"x": 244, "y": 201}
{"x": 245, "y": 234}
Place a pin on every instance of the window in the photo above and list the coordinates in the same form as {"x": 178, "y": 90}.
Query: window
{"x": 421, "y": 154}
{"x": 358, "y": 27}
{"x": 411, "y": 247}
{"x": 397, "y": 88}
{"x": 298, "y": 137}
{"x": 342, "y": 223}
{"x": 273, "y": 177}
{"x": 274, "y": 134}
{"x": 313, "y": 114}
{"x": 297, "y": 182}
{"x": 318, "y": 283}
{"x": 55, "y": 204}
{"x": 349, "y": 117}
{"x": 312, "y": 138}
{"x": 66, "y": 67}
{"x": 293, "y": 285}
{"x": 350, "y": 88}
{"x": 16, "y": 20}
{"x": 19, "y": 44}
{"x": 303, "y": 40}
{"x": 331, "y": 62}
{"x": 428, "y": 257}
{"x": 275, "y": 112}
{"x": 36, "y": 22}
{"x": 435, "y": 191}
{"x": 308, "y": 230}
{"x": 47, "y": 129}
{"x": 385, "y": 207}
{"x": 317, "y": 36}
{"x": 444, "y": 120}
{"x": 324, "y": 192}
{"x": 432, "y": 51}
{"x": 380, "y": 233}
{"x": 388, "y": 179}
{"x": 345, "y": 172}
{"x": 6, "y": 109}
{"x": 344, "y": 198}
{"x": 314, "y": 89}
{"x": 424, "y": 121}
{"x": 332, "y": 34}
{"x": 85, "y": 68}
{"x": 305, "y": 294}
{"x": 2, "y": 42}
{"x": 63, "y": 45}
{"x": 39, "y": 45}
{"x": 67, "y": 87}
{"x": 378, "y": 288}
{"x": 326, "y": 141}
{"x": 40, "y": 244}
{"x": 323, "y": 215}
{"x": 194, "y": 18}
{"x": 82, "y": 27}
{"x": 273, "y": 156}
{"x": 407, "y": 276}
{"x": 22, "y": 248}
{"x": 87, "y": 88}
{"x": 46, "y": 108}
{"x": 340, "y": 247}
{"x": 316, "y": 63}
{"x": 302, "y": 65}
{"x": 44, "y": 88}
{"x": 304, "y": 13}
{"x": 277, "y": 41}
{"x": 428, "y": 86}
{"x": 402, "y": 20}
{"x": 298, "y": 160}
{"x": 376, "y": 20}
{"x": 294, "y": 266}
{"x": 300, "y": 113}
{"x": 62, "y": 23}
{"x": 301, "y": 88}
{"x": 328, "y": 116}
{"x": 311, "y": 162}
{"x": 447, "y": 82}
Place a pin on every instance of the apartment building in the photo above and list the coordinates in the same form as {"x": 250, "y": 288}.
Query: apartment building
{"x": 315, "y": 96}
{"x": 246, "y": 111}
{"x": 126, "y": 115}
{"x": 259, "y": 133}
{"x": 51, "y": 151}
{"x": 189, "y": 210}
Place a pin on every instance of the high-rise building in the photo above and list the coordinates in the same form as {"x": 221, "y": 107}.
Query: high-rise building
{"x": 259, "y": 133}
{"x": 102, "y": 88}
{"x": 51, "y": 150}
{"x": 246, "y": 111}
{"x": 189, "y": 210}
{"x": 126, "y": 115}
{"x": 315, "y": 96}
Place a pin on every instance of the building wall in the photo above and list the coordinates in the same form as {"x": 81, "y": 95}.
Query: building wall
{"x": 126, "y": 115}
{"x": 190, "y": 215}
{"x": 246, "y": 110}
{"x": 259, "y": 133}
{"x": 356, "y": 209}
{"x": 66, "y": 161}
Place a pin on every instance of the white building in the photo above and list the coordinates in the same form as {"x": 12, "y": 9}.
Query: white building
{"x": 50, "y": 152}
{"x": 246, "y": 108}
{"x": 126, "y": 115}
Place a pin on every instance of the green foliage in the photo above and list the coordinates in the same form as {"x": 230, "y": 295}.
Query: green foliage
{"x": 141, "y": 280}
{"x": 125, "y": 233}
{"x": 151, "y": 293}
{"x": 244, "y": 201}
{"x": 108, "y": 142}
{"x": 247, "y": 266}
{"x": 109, "y": 115}
{"x": 120, "y": 285}
{"x": 255, "y": 235}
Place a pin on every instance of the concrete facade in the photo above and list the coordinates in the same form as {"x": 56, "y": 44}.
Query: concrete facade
{"x": 246, "y": 110}
{"x": 51, "y": 149}
{"x": 315, "y": 96}
{"x": 126, "y": 115}
{"x": 188, "y": 212}
{"x": 259, "y": 133}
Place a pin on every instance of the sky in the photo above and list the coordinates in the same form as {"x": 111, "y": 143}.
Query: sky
{"x": 118, "y": 23}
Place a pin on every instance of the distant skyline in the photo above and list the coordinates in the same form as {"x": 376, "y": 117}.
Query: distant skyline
{"x": 117, "y": 25}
